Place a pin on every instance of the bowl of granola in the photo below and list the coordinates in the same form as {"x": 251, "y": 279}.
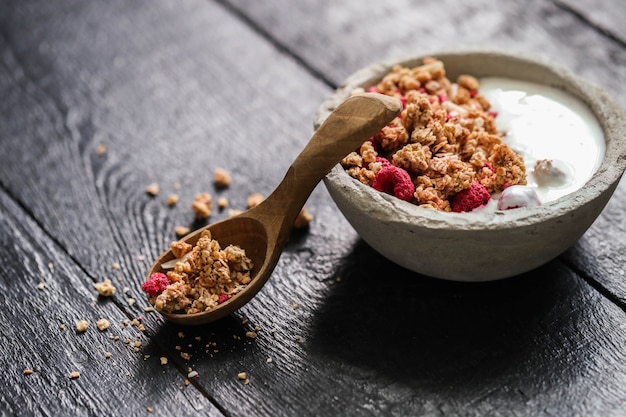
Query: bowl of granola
{"x": 497, "y": 164}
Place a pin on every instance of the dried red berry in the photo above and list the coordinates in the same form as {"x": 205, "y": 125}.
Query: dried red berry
{"x": 222, "y": 298}
{"x": 372, "y": 89}
{"x": 156, "y": 284}
{"x": 470, "y": 198}
{"x": 395, "y": 181}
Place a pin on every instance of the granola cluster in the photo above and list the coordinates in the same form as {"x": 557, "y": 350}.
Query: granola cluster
{"x": 445, "y": 139}
{"x": 203, "y": 276}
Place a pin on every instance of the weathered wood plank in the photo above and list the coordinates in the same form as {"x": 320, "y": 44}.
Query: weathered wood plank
{"x": 175, "y": 89}
{"x": 43, "y": 293}
{"x": 609, "y": 18}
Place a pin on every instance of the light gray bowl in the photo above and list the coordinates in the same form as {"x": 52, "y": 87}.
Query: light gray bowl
{"x": 480, "y": 245}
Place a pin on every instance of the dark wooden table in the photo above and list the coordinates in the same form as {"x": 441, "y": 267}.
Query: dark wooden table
{"x": 99, "y": 99}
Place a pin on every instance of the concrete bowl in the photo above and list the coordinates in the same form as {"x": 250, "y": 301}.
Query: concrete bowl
{"x": 480, "y": 245}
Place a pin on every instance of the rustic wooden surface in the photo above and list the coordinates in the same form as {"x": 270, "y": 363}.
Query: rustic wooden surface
{"x": 174, "y": 89}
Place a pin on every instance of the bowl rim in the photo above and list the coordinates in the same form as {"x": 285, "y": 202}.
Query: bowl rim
{"x": 609, "y": 114}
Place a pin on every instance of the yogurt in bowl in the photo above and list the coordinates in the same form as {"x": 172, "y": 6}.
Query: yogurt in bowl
{"x": 491, "y": 243}
{"x": 557, "y": 134}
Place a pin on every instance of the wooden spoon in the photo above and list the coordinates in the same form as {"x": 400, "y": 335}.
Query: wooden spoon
{"x": 263, "y": 230}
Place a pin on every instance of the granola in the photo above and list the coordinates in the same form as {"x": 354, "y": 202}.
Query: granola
{"x": 204, "y": 276}
{"x": 445, "y": 139}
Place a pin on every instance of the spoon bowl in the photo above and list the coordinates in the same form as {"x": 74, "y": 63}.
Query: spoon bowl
{"x": 263, "y": 230}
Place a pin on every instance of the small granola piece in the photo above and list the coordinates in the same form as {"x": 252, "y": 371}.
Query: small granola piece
{"x": 28, "y": 371}
{"x": 202, "y": 205}
{"x": 81, "y": 326}
{"x": 242, "y": 375}
{"x": 468, "y": 82}
{"x": 413, "y": 158}
{"x": 41, "y": 286}
{"x": 222, "y": 203}
{"x": 101, "y": 149}
{"x": 181, "y": 230}
{"x": 180, "y": 248}
{"x": 251, "y": 335}
{"x": 470, "y": 198}
{"x": 163, "y": 360}
{"x": 254, "y": 200}
{"x": 172, "y": 199}
{"x": 102, "y": 324}
{"x": 74, "y": 375}
{"x": 115, "y": 265}
{"x": 105, "y": 288}
{"x": 303, "y": 219}
{"x": 107, "y": 355}
{"x": 221, "y": 178}
{"x": 395, "y": 181}
{"x": 153, "y": 189}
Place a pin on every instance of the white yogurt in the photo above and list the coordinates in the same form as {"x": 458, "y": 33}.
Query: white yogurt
{"x": 545, "y": 124}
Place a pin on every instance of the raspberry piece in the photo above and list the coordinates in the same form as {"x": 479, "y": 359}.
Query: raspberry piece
{"x": 395, "y": 181}
{"x": 470, "y": 198}
{"x": 156, "y": 284}
{"x": 222, "y": 298}
{"x": 384, "y": 162}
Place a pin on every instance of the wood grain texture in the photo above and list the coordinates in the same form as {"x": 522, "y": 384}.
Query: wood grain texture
{"x": 39, "y": 333}
{"x": 175, "y": 89}
{"x": 610, "y": 18}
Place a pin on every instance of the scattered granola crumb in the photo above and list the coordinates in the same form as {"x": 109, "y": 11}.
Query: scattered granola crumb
{"x": 50, "y": 266}
{"x": 101, "y": 149}
{"x": 172, "y": 199}
{"x": 105, "y": 288}
{"x": 141, "y": 258}
{"x": 41, "y": 286}
{"x": 202, "y": 206}
{"x": 81, "y": 326}
{"x": 303, "y": 219}
{"x": 221, "y": 178}
{"x": 222, "y": 203}
{"x": 28, "y": 371}
{"x": 62, "y": 326}
{"x": 186, "y": 382}
{"x": 181, "y": 230}
{"x": 130, "y": 301}
{"x": 148, "y": 309}
{"x": 192, "y": 374}
{"x": 115, "y": 265}
{"x": 254, "y": 200}
{"x": 103, "y": 324}
{"x": 107, "y": 355}
{"x": 181, "y": 335}
{"x": 268, "y": 360}
{"x": 74, "y": 375}
{"x": 185, "y": 355}
{"x": 149, "y": 409}
{"x": 163, "y": 360}
{"x": 242, "y": 375}
{"x": 298, "y": 338}
{"x": 251, "y": 335}
{"x": 153, "y": 189}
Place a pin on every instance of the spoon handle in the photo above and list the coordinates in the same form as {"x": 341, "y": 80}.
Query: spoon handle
{"x": 355, "y": 120}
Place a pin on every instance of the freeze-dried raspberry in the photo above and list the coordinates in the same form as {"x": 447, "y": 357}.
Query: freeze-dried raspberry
{"x": 156, "y": 284}
{"x": 222, "y": 298}
{"x": 470, "y": 198}
{"x": 395, "y": 181}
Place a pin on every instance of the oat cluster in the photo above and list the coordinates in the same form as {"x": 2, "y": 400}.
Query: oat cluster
{"x": 206, "y": 275}
{"x": 445, "y": 138}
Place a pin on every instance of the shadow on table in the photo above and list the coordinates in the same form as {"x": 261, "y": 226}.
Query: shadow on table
{"x": 418, "y": 330}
